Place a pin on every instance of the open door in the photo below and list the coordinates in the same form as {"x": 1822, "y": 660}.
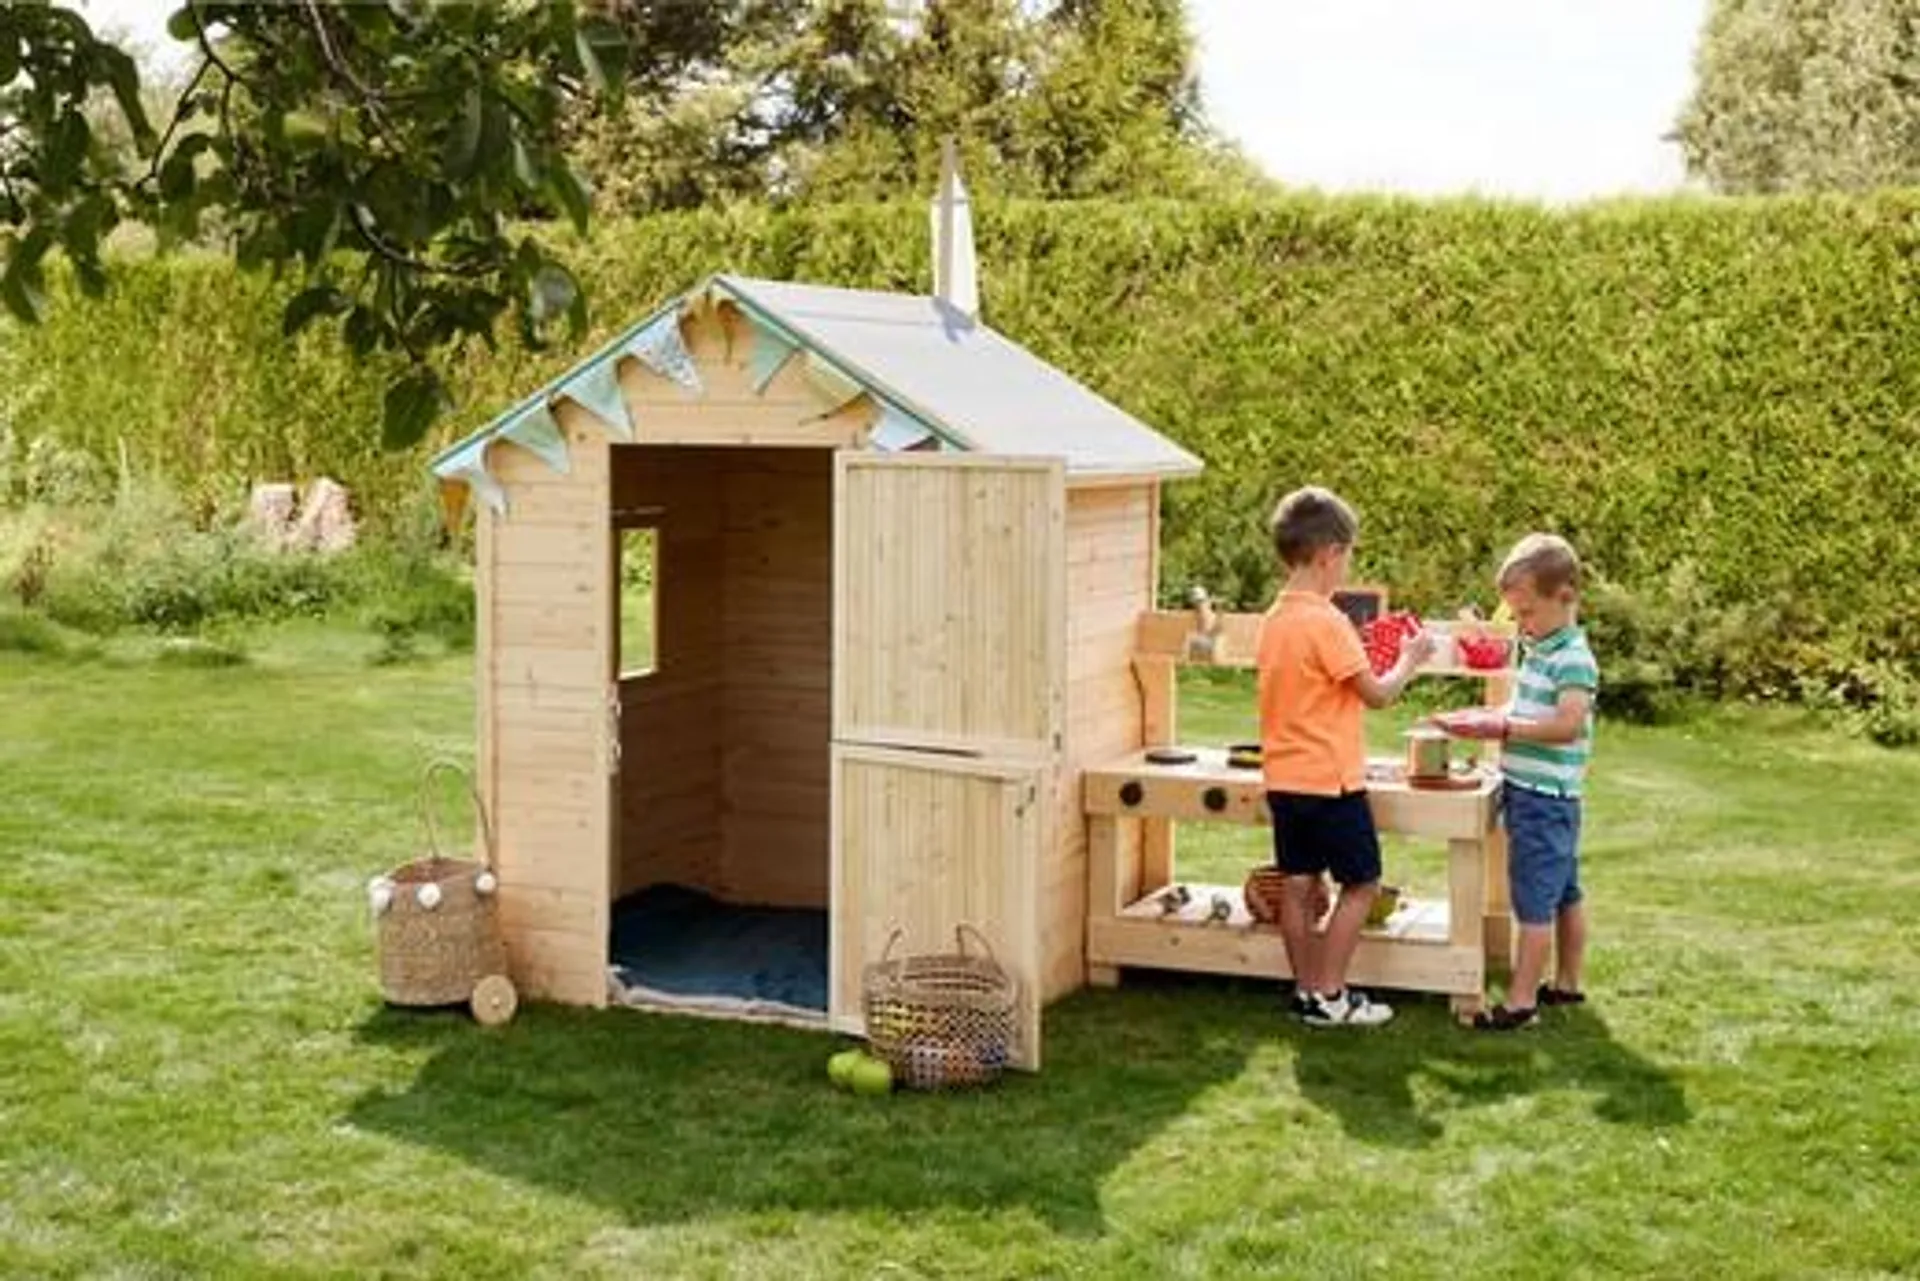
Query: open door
{"x": 949, "y": 658}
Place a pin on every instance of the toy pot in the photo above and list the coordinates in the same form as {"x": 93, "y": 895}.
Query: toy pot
{"x": 1429, "y": 753}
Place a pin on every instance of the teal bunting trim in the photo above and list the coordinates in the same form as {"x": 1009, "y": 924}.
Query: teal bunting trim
{"x": 898, "y": 431}
{"x": 660, "y": 348}
{"x": 826, "y": 378}
{"x": 468, "y": 465}
{"x": 534, "y": 430}
{"x": 596, "y": 389}
{"x": 771, "y": 350}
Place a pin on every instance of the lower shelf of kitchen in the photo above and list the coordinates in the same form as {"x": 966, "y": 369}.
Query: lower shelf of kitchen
{"x": 1410, "y": 952}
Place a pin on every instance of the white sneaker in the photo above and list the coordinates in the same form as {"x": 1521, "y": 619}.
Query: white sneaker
{"x": 1346, "y": 1009}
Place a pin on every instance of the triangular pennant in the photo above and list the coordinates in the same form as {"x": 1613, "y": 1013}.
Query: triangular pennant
{"x": 453, "y": 503}
{"x": 898, "y": 431}
{"x": 469, "y": 467}
{"x": 534, "y": 430}
{"x": 770, "y": 351}
{"x": 661, "y": 348}
{"x": 837, "y": 387}
{"x": 596, "y": 389}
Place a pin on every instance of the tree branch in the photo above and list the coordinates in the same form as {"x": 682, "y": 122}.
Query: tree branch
{"x": 206, "y": 44}
{"x": 369, "y": 233}
{"x": 180, "y": 112}
{"x": 374, "y": 103}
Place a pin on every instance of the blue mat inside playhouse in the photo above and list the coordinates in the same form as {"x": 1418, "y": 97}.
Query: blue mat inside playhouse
{"x": 678, "y": 946}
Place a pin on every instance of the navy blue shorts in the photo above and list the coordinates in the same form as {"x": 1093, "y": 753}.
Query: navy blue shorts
{"x": 1315, "y": 834}
{"x": 1543, "y": 853}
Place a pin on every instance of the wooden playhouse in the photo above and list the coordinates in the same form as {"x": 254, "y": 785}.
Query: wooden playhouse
{"x": 892, "y": 567}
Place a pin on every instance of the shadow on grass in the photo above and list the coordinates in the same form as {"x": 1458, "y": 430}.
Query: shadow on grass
{"x": 1369, "y": 1080}
{"x": 664, "y": 1118}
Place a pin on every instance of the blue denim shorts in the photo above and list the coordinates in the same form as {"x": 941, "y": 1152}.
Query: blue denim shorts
{"x": 1543, "y": 853}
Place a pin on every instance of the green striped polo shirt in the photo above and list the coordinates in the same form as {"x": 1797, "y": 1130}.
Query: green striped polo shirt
{"x": 1548, "y": 666}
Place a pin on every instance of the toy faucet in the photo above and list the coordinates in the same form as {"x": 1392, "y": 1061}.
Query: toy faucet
{"x": 1203, "y": 643}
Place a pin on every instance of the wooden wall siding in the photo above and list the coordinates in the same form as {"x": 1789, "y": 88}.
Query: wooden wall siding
{"x": 1110, "y": 569}
{"x": 925, "y": 843}
{"x": 543, "y": 657}
{"x": 776, "y": 650}
{"x": 669, "y": 818}
{"x": 787, "y": 412}
{"x": 954, "y": 618}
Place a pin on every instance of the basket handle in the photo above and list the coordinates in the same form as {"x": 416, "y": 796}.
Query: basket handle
{"x": 893, "y": 940}
{"x": 442, "y": 765}
{"x": 960, "y": 933}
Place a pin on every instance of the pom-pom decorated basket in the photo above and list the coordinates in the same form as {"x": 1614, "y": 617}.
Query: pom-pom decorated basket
{"x": 437, "y": 922}
{"x": 940, "y": 1021}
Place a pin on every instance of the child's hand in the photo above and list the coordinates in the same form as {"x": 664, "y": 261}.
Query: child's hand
{"x": 1419, "y": 648}
{"x": 1482, "y": 723}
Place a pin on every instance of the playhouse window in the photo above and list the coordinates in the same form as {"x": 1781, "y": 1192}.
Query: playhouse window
{"x": 639, "y": 578}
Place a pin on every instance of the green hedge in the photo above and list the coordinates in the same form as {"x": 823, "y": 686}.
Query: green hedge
{"x": 1718, "y": 401}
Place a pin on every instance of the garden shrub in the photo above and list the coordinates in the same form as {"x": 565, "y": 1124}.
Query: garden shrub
{"x": 1716, "y": 400}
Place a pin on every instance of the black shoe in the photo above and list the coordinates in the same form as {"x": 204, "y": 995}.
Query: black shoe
{"x": 1502, "y": 1019}
{"x": 1549, "y": 995}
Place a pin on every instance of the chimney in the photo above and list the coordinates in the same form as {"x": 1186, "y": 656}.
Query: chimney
{"x": 955, "y": 281}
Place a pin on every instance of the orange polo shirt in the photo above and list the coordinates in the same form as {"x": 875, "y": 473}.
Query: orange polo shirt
{"x": 1311, "y": 738}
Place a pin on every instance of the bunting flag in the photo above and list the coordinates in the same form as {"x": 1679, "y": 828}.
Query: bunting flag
{"x": 898, "y": 431}
{"x": 468, "y": 466}
{"x": 453, "y": 503}
{"x": 534, "y": 430}
{"x": 596, "y": 389}
{"x": 771, "y": 349}
{"x": 661, "y": 348}
{"x": 830, "y": 382}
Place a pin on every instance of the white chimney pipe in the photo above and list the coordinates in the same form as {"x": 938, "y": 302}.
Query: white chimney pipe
{"x": 955, "y": 279}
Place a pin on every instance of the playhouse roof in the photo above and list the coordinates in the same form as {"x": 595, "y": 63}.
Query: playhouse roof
{"x": 927, "y": 364}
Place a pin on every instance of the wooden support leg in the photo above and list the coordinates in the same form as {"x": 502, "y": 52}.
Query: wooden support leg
{"x": 1497, "y": 924}
{"x": 1159, "y": 699}
{"x": 1466, "y": 907}
{"x": 1159, "y": 727}
{"x": 1156, "y": 855}
{"x": 1109, "y": 888}
{"x": 1112, "y": 876}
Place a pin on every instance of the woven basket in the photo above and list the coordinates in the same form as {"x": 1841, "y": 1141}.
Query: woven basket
{"x": 435, "y": 952}
{"x": 1266, "y": 885}
{"x": 940, "y": 1021}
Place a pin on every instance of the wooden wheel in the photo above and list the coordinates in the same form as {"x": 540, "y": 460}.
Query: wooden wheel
{"x": 494, "y": 1000}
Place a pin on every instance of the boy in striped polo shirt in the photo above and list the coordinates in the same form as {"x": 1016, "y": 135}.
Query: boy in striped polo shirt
{"x": 1547, "y": 729}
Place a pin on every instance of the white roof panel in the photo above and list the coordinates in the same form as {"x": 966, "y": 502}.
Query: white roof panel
{"x": 991, "y": 393}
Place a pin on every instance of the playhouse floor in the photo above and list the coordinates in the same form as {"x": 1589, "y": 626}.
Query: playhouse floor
{"x": 679, "y": 947}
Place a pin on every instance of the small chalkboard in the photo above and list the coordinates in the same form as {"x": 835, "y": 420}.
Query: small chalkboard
{"x": 1360, "y": 603}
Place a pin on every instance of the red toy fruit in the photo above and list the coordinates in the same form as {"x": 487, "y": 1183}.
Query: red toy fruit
{"x": 1384, "y": 636}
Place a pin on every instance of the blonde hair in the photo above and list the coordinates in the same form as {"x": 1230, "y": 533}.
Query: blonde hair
{"x": 1548, "y": 561}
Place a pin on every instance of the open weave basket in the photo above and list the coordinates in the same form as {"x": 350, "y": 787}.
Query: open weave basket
{"x": 435, "y": 955}
{"x": 943, "y": 1020}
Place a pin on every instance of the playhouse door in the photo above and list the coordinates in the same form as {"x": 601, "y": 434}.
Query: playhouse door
{"x": 949, "y": 654}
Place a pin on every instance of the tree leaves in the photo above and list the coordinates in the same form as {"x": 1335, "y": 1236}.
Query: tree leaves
{"x": 383, "y": 151}
{"x": 462, "y": 150}
{"x": 1799, "y": 95}
{"x": 412, "y": 402}
{"x": 309, "y": 305}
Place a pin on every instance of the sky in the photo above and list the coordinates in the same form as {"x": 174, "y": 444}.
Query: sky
{"x": 1556, "y": 100}
{"x": 1551, "y": 99}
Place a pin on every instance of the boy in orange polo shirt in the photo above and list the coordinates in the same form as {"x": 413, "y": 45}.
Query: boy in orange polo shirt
{"x": 1315, "y": 683}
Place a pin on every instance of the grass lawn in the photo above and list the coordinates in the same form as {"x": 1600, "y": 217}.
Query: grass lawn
{"x": 197, "y": 1077}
